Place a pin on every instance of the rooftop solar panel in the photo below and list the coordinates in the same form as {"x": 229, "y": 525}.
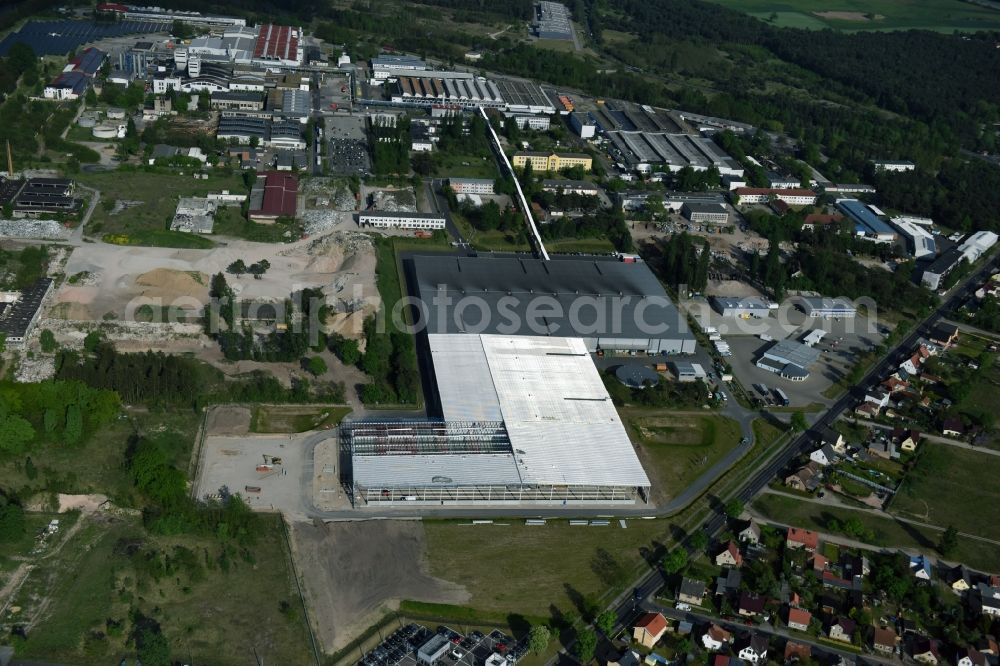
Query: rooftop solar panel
{"x": 61, "y": 37}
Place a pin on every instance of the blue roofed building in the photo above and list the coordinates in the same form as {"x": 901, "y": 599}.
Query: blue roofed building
{"x": 866, "y": 223}
{"x": 89, "y": 61}
{"x": 76, "y": 77}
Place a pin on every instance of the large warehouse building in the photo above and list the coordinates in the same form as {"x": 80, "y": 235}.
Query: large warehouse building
{"x": 526, "y": 420}
{"x": 610, "y": 305}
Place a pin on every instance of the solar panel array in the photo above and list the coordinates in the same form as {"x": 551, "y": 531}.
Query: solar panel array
{"x": 61, "y": 37}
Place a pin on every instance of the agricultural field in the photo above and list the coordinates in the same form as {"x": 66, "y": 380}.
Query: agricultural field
{"x": 148, "y": 201}
{"x": 113, "y": 576}
{"x": 852, "y": 15}
{"x": 675, "y": 449}
{"x": 885, "y": 532}
{"x": 952, "y": 486}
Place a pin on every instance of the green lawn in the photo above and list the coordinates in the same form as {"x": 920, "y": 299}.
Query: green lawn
{"x": 952, "y": 486}
{"x": 15, "y": 551}
{"x": 160, "y": 238}
{"x": 295, "y": 418}
{"x": 887, "y": 533}
{"x": 943, "y": 15}
{"x": 146, "y": 224}
{"x": 586, "y": 245}
{"x": 678, "y": 449}
{"x": 500, "y": 241}
{"x": 93, "y": 584}
{"x": 451, "y": 165}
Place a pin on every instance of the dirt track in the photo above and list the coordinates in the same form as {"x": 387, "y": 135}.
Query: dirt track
{"x": 354, "y": 572}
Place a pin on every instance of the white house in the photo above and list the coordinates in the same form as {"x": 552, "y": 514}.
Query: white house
{"x": 824, "y": 455}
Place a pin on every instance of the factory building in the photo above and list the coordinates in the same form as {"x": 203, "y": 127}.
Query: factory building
{"x": 611, "y": 305}
{"x": 826, "y": 308}
{"x": 867, "y": 223}
{"x": 580, "y": 187}
{"x": 642, "y": 149}
{"x": 939, "y": 268}
{"x": 531, "y": 122}
{"x": 789, "y": 359}
{"x": 524, "y": 420}
{"x": 791, "y": 196}
{"x": 705, "y": 213}
{"x": 76, "y": 77}
{"x": 19, "y": 312}
{"x": 160, "y": 15}
{"x": 893, "y": 165}
{"x": 977, "y": 244}
{"x": 385, "y": 65}
{"x": 552, "y": 161}
{"x": 274, "y": 195}
{"x": 552, "y": 21}
{"x": 583, "y": 124}
{"x": 380, "y": 219}
{"x": 920, "y": 243}
{"x": 744, "y": 308}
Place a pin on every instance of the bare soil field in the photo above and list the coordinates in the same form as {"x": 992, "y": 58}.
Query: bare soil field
{"x": 228, "y": 420}
{"x": 355, "y": 571}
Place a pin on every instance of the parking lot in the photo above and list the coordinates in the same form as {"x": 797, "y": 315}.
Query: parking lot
{"x": 400, "y": 648}
{"x": 845, "y": 341}
{"x": 270, "y": 472}
{"x": 347, "y": 144}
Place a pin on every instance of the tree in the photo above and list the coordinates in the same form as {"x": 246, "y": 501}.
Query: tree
{"x": 675, "y": 560}
{"x": 734, "y": 508}
{"x": 586, "y": 645}
{"x": 3, "y": 342}
{"x": 606, "y": 622}
{"x": 317, "y": 366}
{"x": 152, "y": 648}
{"x": 798, "y": 422}
{"x": 237, "y": 268}
{"x": 699, "y": 540}
{"x": 949, "y": 541}
{"x": 11, "y": 521}
{"x": 15, "y": 432}
{"x": 92, "y": 340}
{"x": 48, "y": 341}
{"x": 538, "y": 638}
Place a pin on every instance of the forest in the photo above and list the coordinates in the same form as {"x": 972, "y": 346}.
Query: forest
{"x": 681, "y": 259}
{"x": 961, "y": 195}
{"x": 66, "y": 412}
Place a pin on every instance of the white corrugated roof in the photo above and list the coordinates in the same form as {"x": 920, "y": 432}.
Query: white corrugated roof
{"x": 435, "y": 470}
{"x": 561, "y": 421}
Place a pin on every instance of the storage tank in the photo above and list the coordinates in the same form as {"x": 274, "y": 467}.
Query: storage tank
{"x": 86, "y": 121}
{"x": 106, "y": 132}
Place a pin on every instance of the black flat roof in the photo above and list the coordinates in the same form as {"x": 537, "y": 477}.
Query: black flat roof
{"x": 17, "y": 317}
{"x": 530, "y": 289}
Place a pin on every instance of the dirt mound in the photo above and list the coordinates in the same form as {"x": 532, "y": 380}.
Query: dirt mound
{"x": 169, "y": 283}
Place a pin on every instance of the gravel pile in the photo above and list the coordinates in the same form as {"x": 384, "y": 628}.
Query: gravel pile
{"x": 37, "y": 369}
{"x": 34, "y": 229}
{"x": 320, "y": 221}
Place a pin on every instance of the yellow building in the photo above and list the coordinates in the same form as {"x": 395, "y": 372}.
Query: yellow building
{"x": 553, "y": 161}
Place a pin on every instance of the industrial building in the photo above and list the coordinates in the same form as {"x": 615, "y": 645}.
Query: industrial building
{"x": 705, "y": 213}
{"x": 672, "y": 201}
{"x": 19, "y": 312}
{"x": 744, "y": 308}
{"x": 581, "y": 187}
{"x": 238, "y": 100}
{"x": 920, "y": 243}
{"x": 642, "y": 150}
{"x": 423, "y": 88}
{"x": 76, "y": 77}
{"x": 791, "y": 196}
{"x": 552, "y": 161}
{"x": 524, "y": 420}
{"x": 471, "y": 185}
{"x": 274, "y": 194}
{"x": 36, "y": 196}
{"x": 385, "y": 65}
{"x": 552, "y": 21}
{"x": 160, "y": 15}
{"x": 789, "y": 359}
{"x": 194, "y": 215}
{"x": 977, "y": 244}
{"x": 583, "y": 124}
{"x": 531, "y": 122}
{"x": 687, "y": 372}
{"x": 867, "y": 224}
{"x": 893, "y": 165}
{"x": 848, "y": 188}
{"x": 826, "y": 308}
{"x": 636, "y": 375}
{"x": 940, "y": 267}
{"x": 381, "y": 219}
{"x": 610, "y": 304}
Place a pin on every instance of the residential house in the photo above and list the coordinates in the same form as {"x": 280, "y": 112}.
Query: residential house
{"x": 729, "y": 584}
{"x": 842, "y": 629}
{"x": 986, "y": 600}
{"x": 882, "y": 448}
{"x": 884, "y": 640}
{"x": 925, "y": 651}
{"x": 818, "y": 562}
{"x": 970, "y": 657}
{"x": 894, "y": 384}
{"x": 796, "y": 651}
{"x": 831, "y": 579}
{"x": 750, "y": 534}
{"x": 752, "y": 648}
{"x": 877, "y": 397}
{"x": 854, "y": 565}
{"x": 691, "y": 591}
{"x": 824, "y": 455}
{"x": 800, "y": 538}
{"x": 799, "y": 619}
{"x": 628, "y": 658}
{"x": 944, "y": 335}
{"x": 835, "y": 439}
{"x": 912, "y": 365}
{"x": 729, "y": 556}
{"x": 715, "y": 638}
{"x": 988, "y": 645}
{"x": 920, "y": 566}
{"x": 726, "y": 660}
{"x": 959, "y": 578}
{"x": 866, "y": 410}
{"x": 649, "y": 629}
{"x": 906, "y": 440}
{"x": 751, "y": 605}
{"x": 952, "y": 428}
{"x": 805, "y": 478}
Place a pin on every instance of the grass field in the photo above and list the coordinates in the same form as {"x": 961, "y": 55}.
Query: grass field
{"x": 146, "y": 224}
{"x": 230, "y": 222}
{"x": 465, "y": 166}
{"x": 92, "y": 586}
{"x": 678, "y": 449}
{"x": 943, "y": 15}
{"x": 887, "y": 533}
{"x": 586, "y": 245}
{"x": 488, "y": 240}
{"x": 570, "y": 566}
{"x": 952, "y": 486}
{"x": 295, "y": 418}
{"x": 13, "y": 551}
